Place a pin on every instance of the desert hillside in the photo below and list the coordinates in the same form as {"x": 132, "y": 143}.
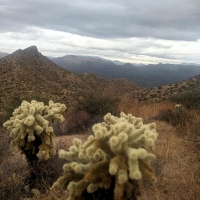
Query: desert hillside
{"x": 27, "y": 74}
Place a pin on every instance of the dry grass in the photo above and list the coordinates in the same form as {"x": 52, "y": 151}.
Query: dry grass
{"x": 178, "y": 155}
{"x": 175, "y": 168}
{"x": 177, "y": 165}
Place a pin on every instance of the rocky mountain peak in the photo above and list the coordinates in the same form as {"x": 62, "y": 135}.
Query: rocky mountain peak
{"x": 32, "y": 50}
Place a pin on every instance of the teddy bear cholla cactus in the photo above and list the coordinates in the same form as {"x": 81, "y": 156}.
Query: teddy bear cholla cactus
{"x": 29, "y": 128}
{"x": 116, "y": 150}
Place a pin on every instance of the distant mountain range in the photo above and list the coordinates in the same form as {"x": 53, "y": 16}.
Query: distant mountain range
{"x": 3, "y": 54}
{"x": 147, "y": 76}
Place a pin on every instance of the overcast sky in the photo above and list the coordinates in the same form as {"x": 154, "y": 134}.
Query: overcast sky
{"x": 136, "y": 31}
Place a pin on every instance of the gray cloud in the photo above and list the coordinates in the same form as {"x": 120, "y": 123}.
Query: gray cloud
{"x": 163, "y": 19}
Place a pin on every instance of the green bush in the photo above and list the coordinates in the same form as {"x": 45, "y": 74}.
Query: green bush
{"x": 190, "y": 100}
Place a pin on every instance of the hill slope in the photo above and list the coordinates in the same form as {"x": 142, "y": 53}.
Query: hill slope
{"x": 27, "y": 74}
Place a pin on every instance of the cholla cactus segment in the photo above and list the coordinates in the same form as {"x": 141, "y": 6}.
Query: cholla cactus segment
{"x": 178, "y": 106}
{"x": 115, "y": 151}
{"x": 29, "y": 126}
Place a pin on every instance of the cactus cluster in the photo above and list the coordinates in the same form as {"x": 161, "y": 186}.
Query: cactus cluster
{"x": 116, "y": 151}
{"x": 30, "y": 128}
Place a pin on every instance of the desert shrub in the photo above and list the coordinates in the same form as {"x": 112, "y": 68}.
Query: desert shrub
{"x": 12, "y": 175}
{"x": 178, "y": 117}
{"x": 4, "y": 144}
{"x": 60, "y": 128}
{"x": 96, "y": 105}
{"x": 78, "y": 121}
{"x": 75, "y": 122}
{"x": 11, "y": 186}
{"x": 190, "y": 100}
{"x": 89, "y": 110}
{"x": 15, "y": 181}
{"x": 44, "y": 175}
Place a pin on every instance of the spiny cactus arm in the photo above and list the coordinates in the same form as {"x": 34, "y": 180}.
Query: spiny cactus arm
{"x": 92, "y": 187}
{"x": 134, "y": 154}
{"x": 45, "y": 138}
{"x": 44, "y": 151}
{"x": 135, "y": 135}
{"x": 77, "y": 143}
{"x": 105, "y": 181}
{"x": 114, "y": 142}
{"x": 38, "y": 129}
{"x": 128, "y": 187}
{"x": 16, "y": 141}
{"x": 110, "y": 118}
{"x": 114, "y": 164}
{"x": 75, "y": 153}
{"x": 67, "y": 155}
{"x": 96, "y": 169}
{"x": 30, "y": 134}
{"x": 100, "y": 131}
{"x": 149, "y": 158}
{"x": 132, "y": 189}
{"x": 147, "y": 171}
{"x": 92, "y": 148}
{"x": 102, "y": 180}
{"x": 77, "y": 187}
{"x": 80, "y": 168}
{"x": 134, "y": 170}
{"x": 93, "y": 152}
{"x": 118, "y": 190}
{"x": 122, "y": 174}
{"x": 41, "y": 120}
{"x": 71, "y": 196}
{"x": 58, "y": 117}
{"x": 64, "y": 180}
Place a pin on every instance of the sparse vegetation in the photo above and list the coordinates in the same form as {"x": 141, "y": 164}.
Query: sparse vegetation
{"x": 96, "y": 105}
{"x": 190, "y": 99}
{"x": 178, "y": 117}
{"x": 177, "y": 165}
{"x": 173, "y": 182}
